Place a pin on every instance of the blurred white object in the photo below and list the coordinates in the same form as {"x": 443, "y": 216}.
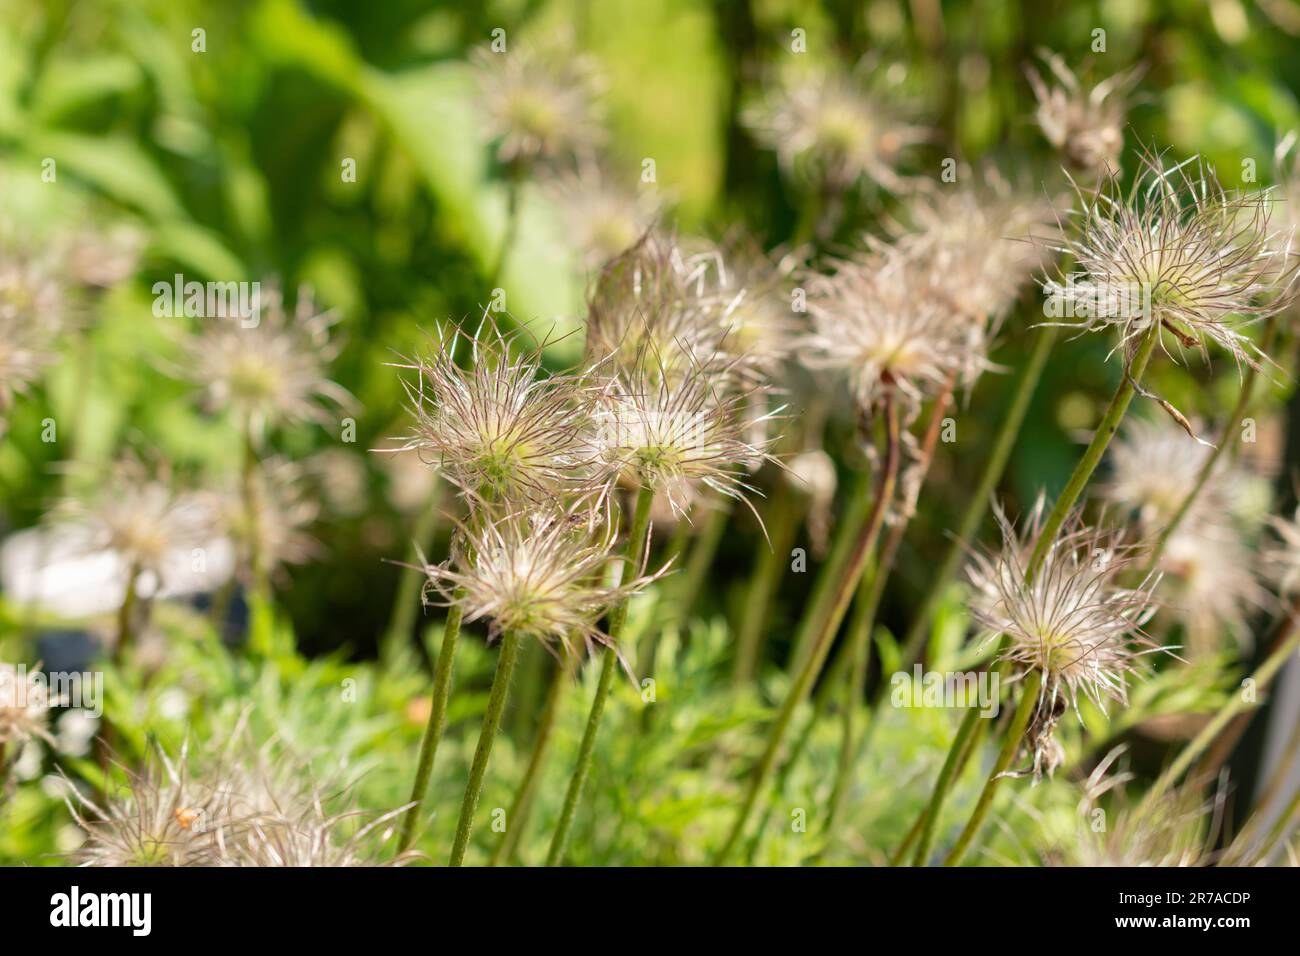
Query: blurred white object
{"x": 56, "y": 569}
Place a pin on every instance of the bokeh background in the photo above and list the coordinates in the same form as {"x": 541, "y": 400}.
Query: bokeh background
{"x": 229, "y": 164}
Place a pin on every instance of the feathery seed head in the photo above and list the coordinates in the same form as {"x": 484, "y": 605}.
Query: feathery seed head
{"x": 538, "y": 574}
{"x": 1210, "y": 582}
{"x": 31, "y": 317}
{"x": 830, "y": 127}
{"x": 1084, "y": 124}
{"x": 873, "y": 320}
{"x": 138, "y": 514}
{"x": 165, "y": 817}
{"x": 656, "y": 310}
{"x": 1176, "y": 249}
{"x": 272, "y": 372}
{"x": 1074, "y": 623}
{"x": 24, "y": 705}
{"x": 983, "y": 243}
{"x": 603, "y": 220}
{"x": 501, "y": 429}
{"x": 539, "y": 104}
{"x": 673, "y": 433}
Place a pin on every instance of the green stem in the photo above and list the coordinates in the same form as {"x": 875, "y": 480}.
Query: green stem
{"x": 1281, "y": 828}
{"x": 258, "y": 583}
{"x": 486, "y": 736}
{"x": 1092, "y": 455}
{"x": 977, "y": 504}
{"x": 1262, "y": 677}
{"x": 513, "y": 180}
{"x": 1212, "y": 459}
{"x": 870, "y": 594}
{"x": 521, "y": 808}
{"x": 1010, "y": 745}
{"x": 433, "y": 730}
{"x": 930, "y": 816}
{"x": 700, "y": 558}
{"x": 126, "y": 615}
{"x": 617, "y": 618}
{"x": 406, "y": 604}
{"x": 855, "y": 515}
{"x": 842, "y": 594}
{"x": 783, "y": 521}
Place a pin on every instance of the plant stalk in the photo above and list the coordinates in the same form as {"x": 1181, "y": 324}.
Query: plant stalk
{"x": 1010, "y": 744}
{"x": 842, "y": 594}
{"x": 636, "y": 545}
{"x": 521, "y": 808}
{"x": 486, "y": 737}
{"x": 433, "y": 729}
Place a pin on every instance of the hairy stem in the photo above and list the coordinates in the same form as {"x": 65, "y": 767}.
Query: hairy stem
{"x": 483, "y": 751}
{"x": 433, "y": 729}
{"x": 863, "y": 621}
{"x": 1092, "y": 455}
{"x": 978, "y": 503}
{"x": 636, "y": 545}
{"x": 521, "y": 808}
{"x": 1010, "y": 744}
{"x": 842, "y": 594}
{"x": 783, "y": 522}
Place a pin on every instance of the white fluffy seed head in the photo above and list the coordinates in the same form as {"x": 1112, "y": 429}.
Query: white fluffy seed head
{"x": 874, "y": 321}
{"x": 270, "y": 372}
{"x": 501, "y": 430}
{"x": 1084, "y": 124}
{"x": 1074, "y": 623}
{"x": 24, "y": 705}
{"x": 538, "y": 574}
{"x": 831, "y": 127}
{"x": 1175, "y": 249}
{"x": 539, "y": 104}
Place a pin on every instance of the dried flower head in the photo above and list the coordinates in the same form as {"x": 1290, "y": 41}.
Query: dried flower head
{"x": 31, "y": 317}
{"x": 165, "y": 817}
{"x": 1175, "y": 249}
{"x": 539, "y": 105}
{"x": 657, "y": 309}
{"x": 1154, "y": 467}
{"x": 602, "y": 219}
{"x": 537, "y": 574}
{"x": 872, "y": 319}
{"x": 830, "y": 127}
{"x": 137, "y": 513}
{"x": 984, "y": 242}
{"x": 270, "y": 368}
{"x": 1084, "y": 124}
{"x": 1073, "y": 622}
{"x": 267, "y": 513}
{"x": 500, "y": 430}
{"x": 1281, "y": 557}
{"x": 238, "y": 806}
{"x": 1210, "y": 582}
{"x": 755, "y": 310}
{"x": 24, "y": 706}
{"x": 102, "y": 257}
{"x": 671, "y": 433}
{"x": 313, "y": 837}
{"x": 1176, "y": 831}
